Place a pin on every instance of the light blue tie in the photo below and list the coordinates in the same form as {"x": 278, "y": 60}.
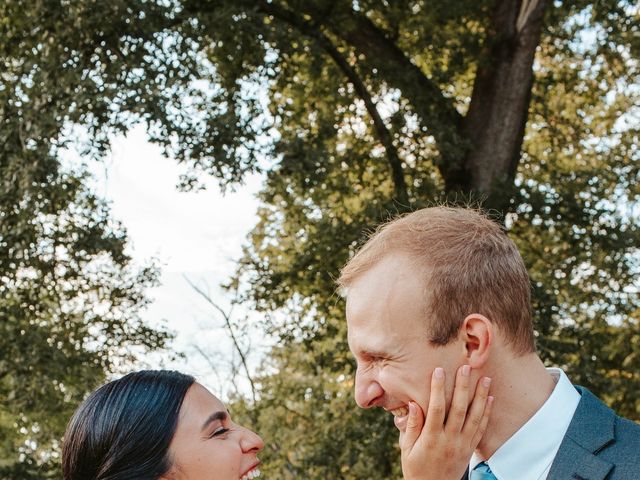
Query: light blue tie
{"x": 482, "y": 472}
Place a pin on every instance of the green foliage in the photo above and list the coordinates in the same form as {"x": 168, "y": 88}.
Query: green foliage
{"x": 69, "y": 292}
{"x": 285, "y": 87}
{"x": 310, "y": 422}
{"x": 573, "y": 212}
{"x": 69, "y": 304}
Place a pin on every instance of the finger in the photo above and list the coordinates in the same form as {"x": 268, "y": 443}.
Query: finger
{"x": 436, "y": 408}
{"x": 478, "y": 406}
{"x": 482, "y": 428}
{"x": 415, "y": 422}
{"x": 460, "y": 402}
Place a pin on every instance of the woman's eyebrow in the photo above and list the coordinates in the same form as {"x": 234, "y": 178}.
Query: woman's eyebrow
{"x": 220, "y": 415}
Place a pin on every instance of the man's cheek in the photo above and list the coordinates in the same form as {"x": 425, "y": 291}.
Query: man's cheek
{"x": 448, "y": 392}
{"x": 403, "y": 387}
{"x": 394, "y": 383}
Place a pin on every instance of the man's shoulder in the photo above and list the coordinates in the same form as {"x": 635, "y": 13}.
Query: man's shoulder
{"x": 598, "y": 444}
{"x": 594, "y": 416}
{"x": 623, "y": 452}
{"x": 627, "y": 432}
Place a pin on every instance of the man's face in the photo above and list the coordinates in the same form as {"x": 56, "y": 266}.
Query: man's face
{"x": 387, "y": 334}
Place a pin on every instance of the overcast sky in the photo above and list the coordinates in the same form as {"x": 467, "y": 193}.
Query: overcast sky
{"x": 196, "y": 234}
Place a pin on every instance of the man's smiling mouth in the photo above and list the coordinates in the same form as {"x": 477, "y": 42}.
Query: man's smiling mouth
{"x": 400, "y": 416}
{"x": 400, "y": 411}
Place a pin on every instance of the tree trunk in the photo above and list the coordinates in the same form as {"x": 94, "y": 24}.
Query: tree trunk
{"x": 479, "y": 153}
{"x": 497, "y": 116}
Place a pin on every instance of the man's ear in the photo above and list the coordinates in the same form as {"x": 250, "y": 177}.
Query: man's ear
{"x": 477, "y": 334}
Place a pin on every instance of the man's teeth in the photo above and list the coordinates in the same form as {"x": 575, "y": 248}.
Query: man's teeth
{"x": 255, "y": 473}
{"x": 400, "y": 412}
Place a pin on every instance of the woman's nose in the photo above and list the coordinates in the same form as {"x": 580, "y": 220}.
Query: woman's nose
{"x": 251, "y": 442}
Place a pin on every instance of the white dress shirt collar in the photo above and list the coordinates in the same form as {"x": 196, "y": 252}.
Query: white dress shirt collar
{"x": 528, "y": 454}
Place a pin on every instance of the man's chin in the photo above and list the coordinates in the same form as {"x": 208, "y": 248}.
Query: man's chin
{"x": 401, "y": 422}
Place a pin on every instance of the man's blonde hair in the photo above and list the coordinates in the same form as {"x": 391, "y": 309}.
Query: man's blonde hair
{"x": 470, "y": 265}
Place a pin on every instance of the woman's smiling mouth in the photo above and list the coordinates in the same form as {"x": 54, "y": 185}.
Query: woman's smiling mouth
{"x": 253, "y": 472}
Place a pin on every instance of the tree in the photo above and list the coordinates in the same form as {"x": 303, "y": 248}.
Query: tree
{"x": 359, "y": 109}
{"x": 70, "y": 294}
{"x": 69, "y": 304}
{"x": 569, "y": 204}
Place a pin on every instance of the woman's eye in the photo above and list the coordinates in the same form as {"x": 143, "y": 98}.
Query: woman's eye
{"x": 220, "y": 431}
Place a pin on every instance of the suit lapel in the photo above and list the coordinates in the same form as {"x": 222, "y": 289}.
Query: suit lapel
{"x": 591, "y": 429}
{"x": 574, "y": 462}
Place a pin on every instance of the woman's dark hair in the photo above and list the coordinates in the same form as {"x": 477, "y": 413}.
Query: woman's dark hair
{"x": 122, "y": 431}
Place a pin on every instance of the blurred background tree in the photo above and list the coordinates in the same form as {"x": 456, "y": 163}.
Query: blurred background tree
{"x": 355, "y": 111}
{"x": 69, "y": 292}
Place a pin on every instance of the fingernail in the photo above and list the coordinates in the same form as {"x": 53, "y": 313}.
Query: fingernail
{"x": 466, "y": 369}
{"x": 490, "y": 399}
{"x": 412, "y": 409}
{"x": 439, "y": 372}
{"x": 486, "y": 382}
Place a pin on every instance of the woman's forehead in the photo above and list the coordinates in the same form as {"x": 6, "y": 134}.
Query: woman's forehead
{"x": 199, "y": 403}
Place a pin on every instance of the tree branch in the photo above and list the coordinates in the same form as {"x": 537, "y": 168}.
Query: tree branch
{"x": 384, "y": 135}
{"x": 526, "y": 9}
{"x": 437, "y": 111}
{"x": 309, "y": 29}
{"x": 229, "y": 327}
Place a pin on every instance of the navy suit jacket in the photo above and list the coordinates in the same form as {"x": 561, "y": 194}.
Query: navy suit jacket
{"x": 598, "y": 445}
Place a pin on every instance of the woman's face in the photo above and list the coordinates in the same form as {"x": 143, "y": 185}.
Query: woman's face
{"x": 207, "y": 445}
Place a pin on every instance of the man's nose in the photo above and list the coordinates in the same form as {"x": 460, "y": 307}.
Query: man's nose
{"x": 251, "y": 442}
{"x": 368, "y": 391}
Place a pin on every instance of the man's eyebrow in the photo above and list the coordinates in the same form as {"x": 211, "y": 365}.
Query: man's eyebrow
{"x": 220, "y": 415}
{"x": 373, "y": 353}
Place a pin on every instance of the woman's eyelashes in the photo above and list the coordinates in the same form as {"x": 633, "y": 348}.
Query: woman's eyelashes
{"x": 219, "y": 432}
